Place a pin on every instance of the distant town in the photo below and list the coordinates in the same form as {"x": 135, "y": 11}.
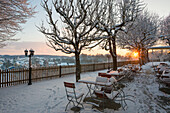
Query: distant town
{"x": 20, "y": 61}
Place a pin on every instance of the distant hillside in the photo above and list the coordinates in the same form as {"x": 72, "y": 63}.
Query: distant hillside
{"x": 11, "y": 56}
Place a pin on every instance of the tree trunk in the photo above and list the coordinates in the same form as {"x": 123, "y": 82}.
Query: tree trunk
{"x": 114, "y": 56}
{"x": 147, "y": 55}
{"x": 78, "y": 66}
{"x": 143, "y": 56}
{"x": 140, "y": 60}
{"x": 113, "y": 52}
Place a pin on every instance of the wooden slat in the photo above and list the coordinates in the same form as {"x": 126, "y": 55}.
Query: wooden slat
{"x": 20, "y": 76}
{"x": 46, "y": 73}
{"x": 13, "y": 76}
{"x": 16, "y": 77}
{"x": 37, "y": 75}
{"x": 11, "y": 72}
{"x": 23, "y": 75}
{"x": 9, "y": 80}
{"x": 70, "y": 85}
{"x": 5, "y": 78}
{"x": 0, "y": 78}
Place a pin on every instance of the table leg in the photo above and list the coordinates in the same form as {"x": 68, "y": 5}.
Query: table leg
{"x": 89, "y": 89}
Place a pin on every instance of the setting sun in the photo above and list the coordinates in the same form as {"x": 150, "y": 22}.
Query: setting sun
{"x": 135, "y": 54}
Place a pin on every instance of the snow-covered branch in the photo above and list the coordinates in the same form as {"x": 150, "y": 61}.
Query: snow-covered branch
{"x": 12, "y": 14}
{"x": 142, "y": 34}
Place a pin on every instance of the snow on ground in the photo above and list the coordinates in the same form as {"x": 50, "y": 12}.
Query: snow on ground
{"x": 49, "y": 96}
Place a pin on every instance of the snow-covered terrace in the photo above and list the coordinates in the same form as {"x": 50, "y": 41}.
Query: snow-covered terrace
{"x": 49, "y": 96}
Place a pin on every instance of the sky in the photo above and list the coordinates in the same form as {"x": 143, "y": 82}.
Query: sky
{"x": 30, "y": 37}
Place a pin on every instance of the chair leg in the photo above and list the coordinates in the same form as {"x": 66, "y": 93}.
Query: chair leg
{"x": 67, "y": 105}
{"x": 82, "y": 105}
{"x": 70, "y": 100}
{"x": 73, "y": 103}
{"x": 78, "y": 102}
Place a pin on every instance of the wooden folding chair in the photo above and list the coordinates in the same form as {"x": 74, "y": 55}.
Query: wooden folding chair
{"x": 103, "y": 99}
{"x": 100, "y": 97}
{"x": 72, "y": 95}
{"x": 105, "y": 89}
{"x": 113, "y": 92}
{"x": 100, "y": 80}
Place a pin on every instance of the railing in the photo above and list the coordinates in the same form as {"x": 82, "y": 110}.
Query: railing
{"x": 20, "y": 76}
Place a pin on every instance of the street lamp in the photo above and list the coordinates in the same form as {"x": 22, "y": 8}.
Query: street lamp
{"x": 31, "y": 51}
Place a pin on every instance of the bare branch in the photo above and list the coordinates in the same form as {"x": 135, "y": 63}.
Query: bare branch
{"x": 12, "y": 14}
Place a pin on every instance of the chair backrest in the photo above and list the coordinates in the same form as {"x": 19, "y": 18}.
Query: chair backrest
{"x": 70, "y": 89}
{"x": 69, "y": 85}
{"x": 104, "y": 75}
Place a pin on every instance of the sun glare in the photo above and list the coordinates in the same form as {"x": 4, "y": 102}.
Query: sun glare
{"x": 135, "y": 54}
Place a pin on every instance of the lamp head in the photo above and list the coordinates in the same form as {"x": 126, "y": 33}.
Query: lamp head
{"x": 31, "y": 52}
{"x": 26, "y": 52}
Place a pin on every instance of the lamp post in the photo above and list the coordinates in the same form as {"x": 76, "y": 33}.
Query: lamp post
{"x": 31, "y": 51}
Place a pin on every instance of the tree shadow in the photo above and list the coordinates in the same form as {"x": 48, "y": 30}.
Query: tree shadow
{"x": 165, "y": 90}
{"x": 76, "y": 109}
{"x": 100, "y": 105}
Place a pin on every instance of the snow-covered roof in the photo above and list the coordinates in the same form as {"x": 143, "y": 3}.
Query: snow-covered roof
{"x": 160, "y": 47}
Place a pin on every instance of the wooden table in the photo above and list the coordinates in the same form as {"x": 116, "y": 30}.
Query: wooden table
{"x": 111, "y": 74}
{"x": 89, "y": 81}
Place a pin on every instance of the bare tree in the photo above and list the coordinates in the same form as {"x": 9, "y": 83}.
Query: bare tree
{"x": 12, "y": 14}
{"x": 141, "y": 35}
{"x": 79, "y": 19}
{"x": 118, "y": 14}
{"x": 165, "y": 30}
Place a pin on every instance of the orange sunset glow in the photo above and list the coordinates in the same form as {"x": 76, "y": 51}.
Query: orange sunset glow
{"x": 135, "y": 54}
